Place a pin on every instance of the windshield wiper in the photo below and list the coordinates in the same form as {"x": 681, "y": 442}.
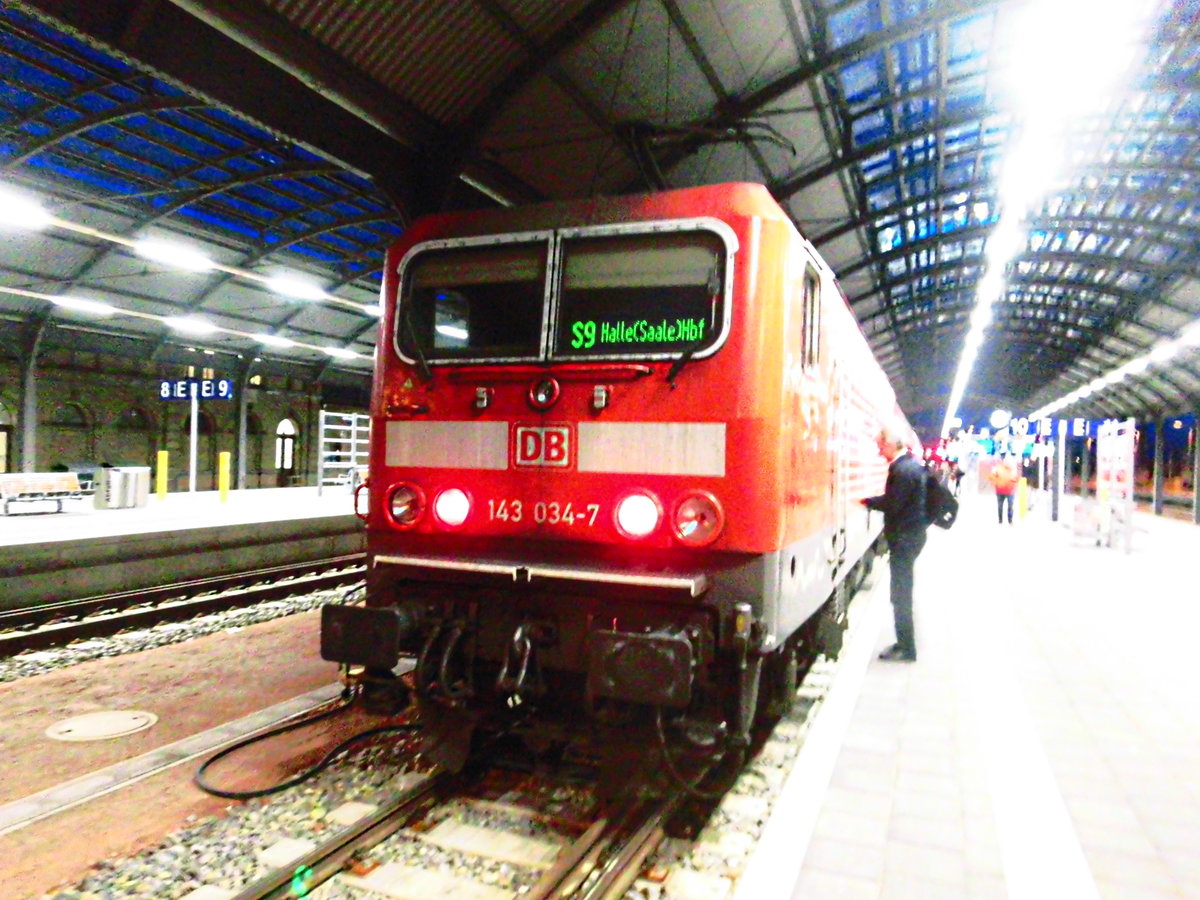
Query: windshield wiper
{"x": 684, "y": 358}
{"x": 422, "y": 364}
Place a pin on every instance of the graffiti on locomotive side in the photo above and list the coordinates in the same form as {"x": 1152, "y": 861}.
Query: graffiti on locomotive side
{"x": 585, "y": 334}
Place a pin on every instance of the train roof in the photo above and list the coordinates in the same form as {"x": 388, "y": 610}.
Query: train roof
{"x": 733, "y": 200}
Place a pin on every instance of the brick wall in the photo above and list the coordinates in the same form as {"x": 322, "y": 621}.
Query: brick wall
{"x": 94, "y": 409}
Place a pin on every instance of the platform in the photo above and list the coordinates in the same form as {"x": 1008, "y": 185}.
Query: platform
{"x": 176, "y": 511}
{"x": 1044, "y": 745}
{"x": 84, "y": 551}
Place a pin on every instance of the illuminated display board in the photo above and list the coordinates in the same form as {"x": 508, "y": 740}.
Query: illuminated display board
{"x": 674, "y": 334}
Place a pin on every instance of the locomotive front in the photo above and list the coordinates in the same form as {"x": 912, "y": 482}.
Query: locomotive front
{"x": 553, "y": 522}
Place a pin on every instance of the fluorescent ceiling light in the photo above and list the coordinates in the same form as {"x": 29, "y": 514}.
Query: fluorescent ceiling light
{"x": 453, "y": 331}
{"x": 1165, "y": 351}
{"x": 23, "y": 212}
{"x": 290, "y": 286}
{"x": 86, "y": 306}
{"x": 190, "y": 325}
{"x": 373, "y": 310}
{"x": 981, "y": 317}
{"x": 341, "y": 353}
{"x": 274, "y": 340}
{"x": 1190, "y": 336}
{"x": 173, "y": 255}
{"x": 1004, "y": 241}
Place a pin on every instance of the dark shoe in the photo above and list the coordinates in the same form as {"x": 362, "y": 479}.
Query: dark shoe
{"x": 896, "y": 653}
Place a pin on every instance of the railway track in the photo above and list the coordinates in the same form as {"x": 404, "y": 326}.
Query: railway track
{"x": 55, "y": 624}
{"x": 568, "y": 857}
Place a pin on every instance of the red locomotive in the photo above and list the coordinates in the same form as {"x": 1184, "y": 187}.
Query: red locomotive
{"x": 617, "y": 447}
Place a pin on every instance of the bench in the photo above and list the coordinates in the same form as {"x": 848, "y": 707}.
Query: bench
{"x": 32, "y": 487}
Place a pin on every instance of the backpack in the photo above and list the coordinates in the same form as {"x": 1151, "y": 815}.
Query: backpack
{"x": 941, "y": 507}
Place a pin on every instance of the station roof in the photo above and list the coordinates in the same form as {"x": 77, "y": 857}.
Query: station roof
{"x": 298, "y": 137}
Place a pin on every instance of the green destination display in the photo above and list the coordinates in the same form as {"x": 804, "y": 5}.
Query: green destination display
{"x": 587, "y": 334}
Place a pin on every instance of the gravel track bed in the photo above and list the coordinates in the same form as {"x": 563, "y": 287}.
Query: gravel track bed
{"x": 36, "y": 662}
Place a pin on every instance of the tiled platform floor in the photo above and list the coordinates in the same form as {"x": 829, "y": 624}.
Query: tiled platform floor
{"x": 182, "y": 510}
{"x": 1046, "y": 744}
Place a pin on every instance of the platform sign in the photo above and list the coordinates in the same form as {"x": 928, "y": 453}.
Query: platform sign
{"x": 195, "y": 390}
{"x": 201, "y": 388}
{"x": 1072, "y": 428}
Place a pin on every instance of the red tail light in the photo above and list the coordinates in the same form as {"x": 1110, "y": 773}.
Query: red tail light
{"x": 698, "y": 519}
{"x": 405, "y": 505}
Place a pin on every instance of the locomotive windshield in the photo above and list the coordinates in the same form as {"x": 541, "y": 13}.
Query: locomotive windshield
{"x": 476, "y": 302}
{"x": 612, "y": 294}
{"x": 639, "y": 294}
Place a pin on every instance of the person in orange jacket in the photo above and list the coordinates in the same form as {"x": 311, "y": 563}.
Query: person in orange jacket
{"x": 1004, "y": 478}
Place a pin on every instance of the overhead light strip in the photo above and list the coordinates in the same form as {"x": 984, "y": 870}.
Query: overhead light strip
{"x": 24, "y": 212}
{"x": 1064, "y": 56}
{"x": 1158, "y": 355}
{"x": 189, "y": 325}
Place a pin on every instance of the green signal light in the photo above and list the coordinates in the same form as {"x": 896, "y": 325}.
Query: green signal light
{"x": 300, "y": 879}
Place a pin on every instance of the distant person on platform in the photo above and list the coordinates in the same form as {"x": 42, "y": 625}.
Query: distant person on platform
{"x": 1004, "y": 478}
{"x": 956, "y": 475}
{"x": 903, "y": 506}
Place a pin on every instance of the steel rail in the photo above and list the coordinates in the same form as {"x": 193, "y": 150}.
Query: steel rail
{"x": 110, "y": 613}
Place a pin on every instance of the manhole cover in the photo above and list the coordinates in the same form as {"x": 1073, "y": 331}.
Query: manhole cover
{"x": 99, "y": 726}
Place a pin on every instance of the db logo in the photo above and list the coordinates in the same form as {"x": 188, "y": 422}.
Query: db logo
{"x": 548, "y": 445}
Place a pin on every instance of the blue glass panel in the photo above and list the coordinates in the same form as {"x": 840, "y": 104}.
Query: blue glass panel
{"x": 853, "y": 23}
{"x": 274, "y": 200}
{"x": 203, "y": 129}
{"x": 64, "y": 72}
{"x": 245, "y": 206}
{"x": 15, "y": 98}
{"x": 15, "y": 71}
{"x": 166, "y": 132}
{"x": 303, "y": 189}
{"x": 869, "y": 129}
{"x": 208, "y": 217}
{"x": 74, "y": 171}
{"x": 93, "y": 151}
{"x": 242, "y": 165}
{"x": 903, "y": 10}
{"x": 970, "y": 41}
{"x": 316, "y": 253}
{"x": 96, "y": 102}
{"x": 76, "y": 47}
{"x": 863, "y": 81}
{"x": 239, "y": 126}
{"x": 317, "y": 218}
{"x": 60, "y": 116}
{"x": 209, "y": 175}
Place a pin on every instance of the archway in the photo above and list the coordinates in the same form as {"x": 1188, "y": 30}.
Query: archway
{"x": 6, "y": 437}
{"x": 66, "y": 438}
{"x": 285, "y": 453}
{"x": 206, "y": 450}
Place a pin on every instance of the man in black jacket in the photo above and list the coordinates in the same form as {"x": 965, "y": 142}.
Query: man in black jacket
{"x": 903, "y": 506}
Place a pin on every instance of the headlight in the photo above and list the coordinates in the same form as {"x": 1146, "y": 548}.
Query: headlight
{"x": 451, "y": 507}
{"x": 698, "y": 519}
{"x": 544, "y": 393}
{"x": 405, "y": 505}
{"x": 637, "y": 514}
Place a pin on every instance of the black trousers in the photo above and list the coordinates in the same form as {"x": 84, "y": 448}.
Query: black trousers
{"x": 1003, "y": 500}
{"x": 904, "y": 549}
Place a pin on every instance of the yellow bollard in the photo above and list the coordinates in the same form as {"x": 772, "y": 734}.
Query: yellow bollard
{"x": 160, "y": 480}
{"x": 1022, "y": 498}
{"x": 223, "y": 475}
